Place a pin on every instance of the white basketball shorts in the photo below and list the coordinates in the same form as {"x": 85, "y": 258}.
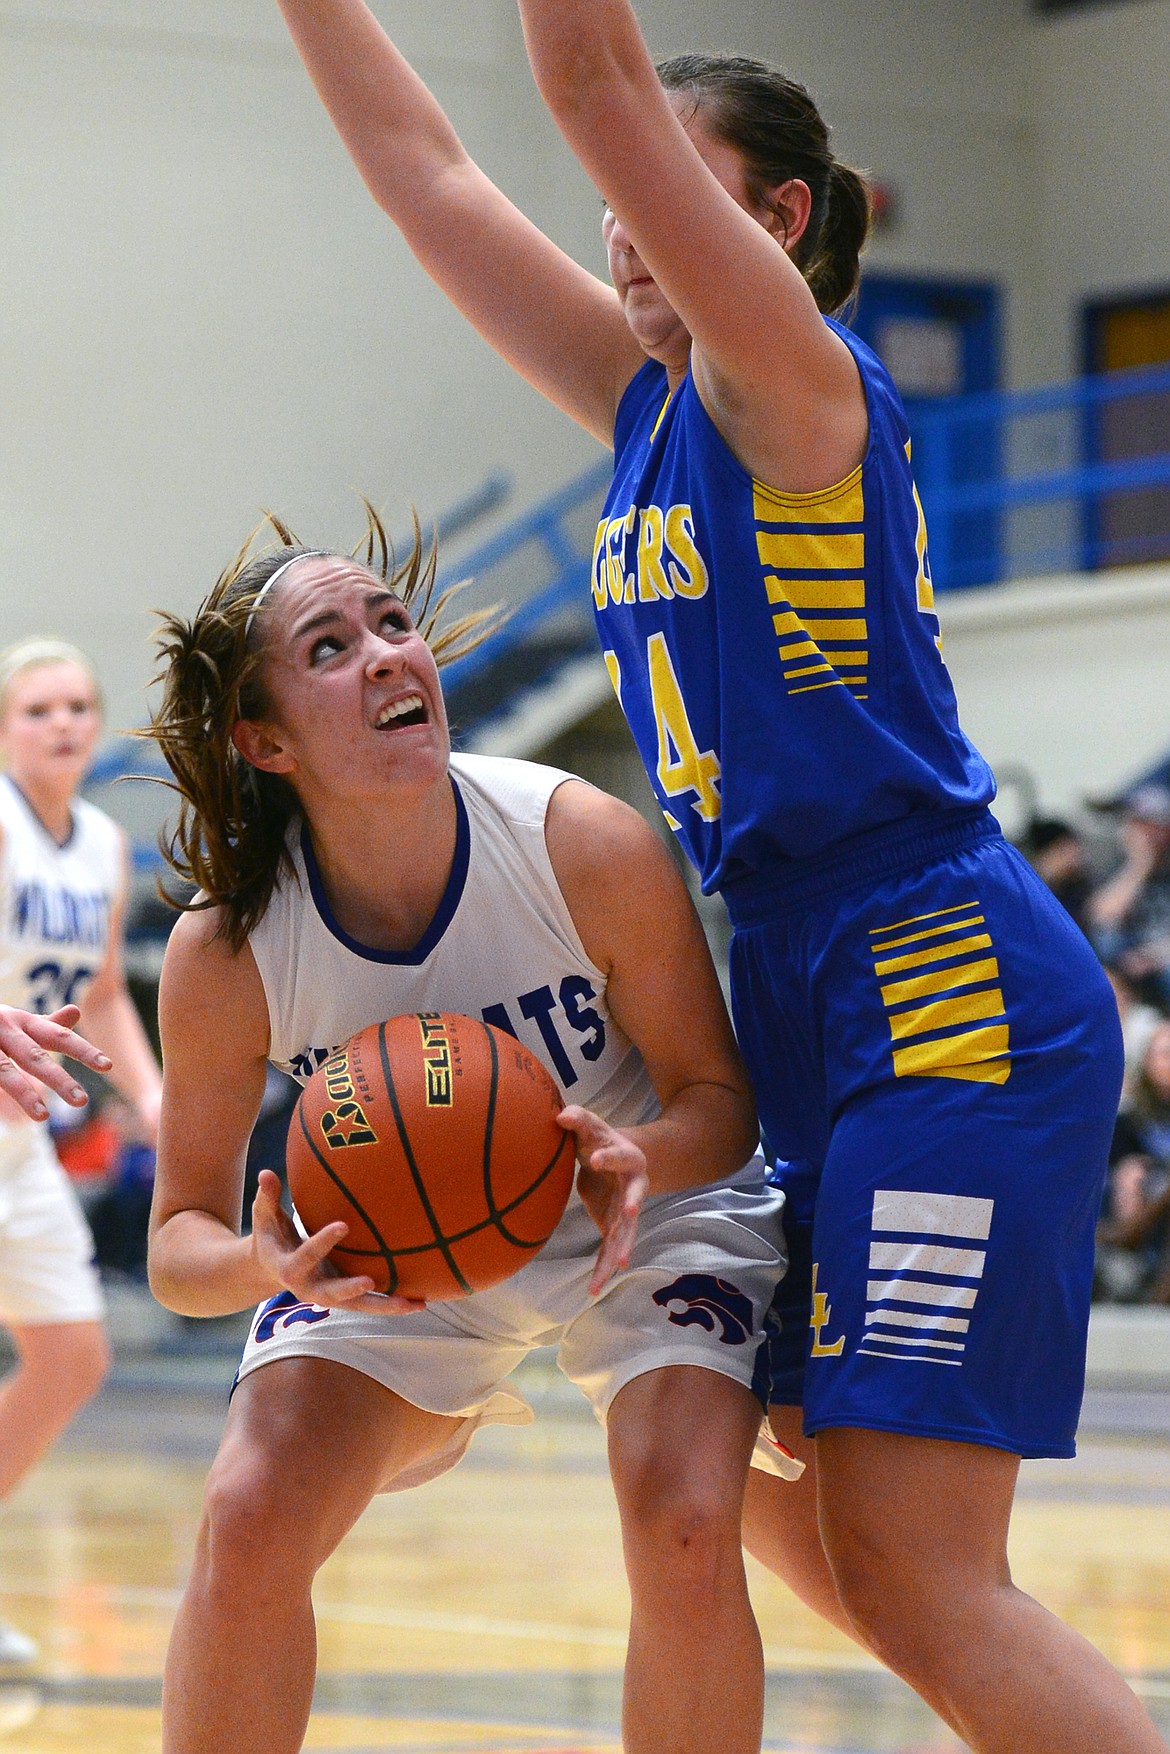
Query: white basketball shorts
{"x": 47, "y": 1272}
{"x": 699, "y": 1283}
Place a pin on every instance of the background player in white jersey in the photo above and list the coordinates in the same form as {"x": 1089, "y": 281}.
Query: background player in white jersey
{"x": 352, "y": 869}
{"x": 62, "y": 898}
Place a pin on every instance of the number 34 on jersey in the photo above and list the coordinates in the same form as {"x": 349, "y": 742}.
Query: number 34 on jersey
{"x": 683, "y": 769}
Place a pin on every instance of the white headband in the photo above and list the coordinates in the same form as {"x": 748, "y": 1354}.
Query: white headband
{"x": 304, "y": 554}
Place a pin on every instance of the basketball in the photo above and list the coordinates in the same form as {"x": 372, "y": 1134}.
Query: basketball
{"x": 434, "y": 1136}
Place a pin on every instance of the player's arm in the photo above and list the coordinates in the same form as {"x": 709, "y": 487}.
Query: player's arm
{"x": 637, "y": 923}
{"x": 213, "y": 1020}
{"x": 781, "y": 387}
{"x": 559, "y": 325}
{"x": 109, "y": 1018}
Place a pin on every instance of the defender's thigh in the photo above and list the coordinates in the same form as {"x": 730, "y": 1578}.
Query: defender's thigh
{"x": 953, "y": 1238}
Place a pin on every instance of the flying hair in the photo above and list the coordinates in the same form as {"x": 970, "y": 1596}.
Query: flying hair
{"x": 230, "y": 842}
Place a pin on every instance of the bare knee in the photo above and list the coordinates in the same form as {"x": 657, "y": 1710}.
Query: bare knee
{"x": 905, "y": 1600}
{"x": 89, "y": 1363}
{"x": 680, "y": 1532}
{"x": 253, "y": 1536}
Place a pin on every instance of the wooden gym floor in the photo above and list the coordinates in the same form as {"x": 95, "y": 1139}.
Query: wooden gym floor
{"x": 485, "y": 1613}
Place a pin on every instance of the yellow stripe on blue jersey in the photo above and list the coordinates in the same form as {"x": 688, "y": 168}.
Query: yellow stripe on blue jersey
{"x": 812, "y": 552}
{"x": 774, "y": 653}
{"x": 939, "y": 982}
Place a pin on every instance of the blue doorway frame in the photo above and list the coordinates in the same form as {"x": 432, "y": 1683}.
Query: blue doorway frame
{"x": 942, "y": 339}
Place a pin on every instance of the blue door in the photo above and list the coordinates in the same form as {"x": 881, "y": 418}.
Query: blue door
{"x": 940, "y": 339}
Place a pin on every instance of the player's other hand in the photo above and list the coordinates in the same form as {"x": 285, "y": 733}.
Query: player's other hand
{"x": 27, "y": 1045}
{"x": 301, "y": 1264}
{"x": 612, "y": 1183}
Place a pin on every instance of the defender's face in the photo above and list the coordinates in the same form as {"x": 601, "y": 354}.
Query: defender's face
{"x": 49, "y": 725}
{"x": 354, "y": 700}
{"x": 654, "y": 322}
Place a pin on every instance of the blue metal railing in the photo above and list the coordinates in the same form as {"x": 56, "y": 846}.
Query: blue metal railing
{"x": 559, "y": 588}
{"x": 1034, "y": 481}
{"x": 1012, "y": 484}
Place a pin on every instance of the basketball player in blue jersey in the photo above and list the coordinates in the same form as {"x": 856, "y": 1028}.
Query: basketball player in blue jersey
{"x": 934, "y": 1051}
{"x": 63, "y": 880}
{"x": 352, "y": 869}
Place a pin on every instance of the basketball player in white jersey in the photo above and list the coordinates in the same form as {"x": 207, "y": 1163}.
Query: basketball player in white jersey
{"x": 351, "y": 868}
{"x": 62, "y": 897}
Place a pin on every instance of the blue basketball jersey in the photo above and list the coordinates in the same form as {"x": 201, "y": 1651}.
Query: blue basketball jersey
{"x": 777, "y": 655}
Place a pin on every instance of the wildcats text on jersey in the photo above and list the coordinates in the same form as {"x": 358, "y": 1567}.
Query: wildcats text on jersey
{"x": 55, "y": 915}
{"x": 567, "y": 1022}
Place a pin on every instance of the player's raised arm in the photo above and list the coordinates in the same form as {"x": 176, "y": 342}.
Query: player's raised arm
{"x": 559, "y": 325}
{"x": 661, "y": 985}
{"x": 781, "y": 387}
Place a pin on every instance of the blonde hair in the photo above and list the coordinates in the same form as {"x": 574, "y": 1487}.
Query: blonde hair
{"x": 230, "y": 841}
{"x": 35, "y": 654}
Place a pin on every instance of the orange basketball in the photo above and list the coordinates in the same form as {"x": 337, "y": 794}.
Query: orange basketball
{"x": 435, "y": 1138}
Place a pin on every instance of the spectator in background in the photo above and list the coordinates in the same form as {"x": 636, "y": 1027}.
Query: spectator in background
{"x": 1057, "y": 854}
{"x": 1133, "y": 1257}
{"x": 1129, "y": 916}
{"x": 1138, "y": 1023}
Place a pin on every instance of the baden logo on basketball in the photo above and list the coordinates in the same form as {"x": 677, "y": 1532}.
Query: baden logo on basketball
{"x": 345, "y": 1123}
{"x": 436, "y": 1058}
{"x": 453, "y": 1194}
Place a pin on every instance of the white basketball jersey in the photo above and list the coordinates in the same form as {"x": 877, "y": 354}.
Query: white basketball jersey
{"x": 501, "y": 946}
{"x": 55, "y": 902}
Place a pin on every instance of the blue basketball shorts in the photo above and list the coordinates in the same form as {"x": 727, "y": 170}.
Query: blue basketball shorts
{"x": 936, "y": 1056}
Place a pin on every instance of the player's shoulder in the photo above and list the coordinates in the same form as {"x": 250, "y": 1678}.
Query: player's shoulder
{"x": 199, "y": 945}
{"x": 205, "y": 974}
{"x": 887, "y": 416}
{"x": 211, "y": 997}
{"x": 593, "y": 837}
{"x": 519, "y": 791}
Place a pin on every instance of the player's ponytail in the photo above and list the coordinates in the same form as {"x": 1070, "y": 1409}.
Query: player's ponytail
{"x": 833, "y": 265}
{"x": 231, "y": 839}
{"x": 779, "y": 132}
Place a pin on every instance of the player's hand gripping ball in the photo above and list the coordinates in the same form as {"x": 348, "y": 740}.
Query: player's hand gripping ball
{"x": 435, "y": 1138}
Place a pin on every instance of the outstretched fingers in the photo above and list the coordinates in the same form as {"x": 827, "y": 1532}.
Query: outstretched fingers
{"x": 302, "y": 1264}
{"x": 613, "y": 1184}
{"x": 27, "y": 1067}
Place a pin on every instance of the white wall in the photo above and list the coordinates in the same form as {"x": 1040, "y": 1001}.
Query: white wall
{"x": 1099, "y": 97}
{"x": 204, "y": 313}
{"x": 1068, "y": 679}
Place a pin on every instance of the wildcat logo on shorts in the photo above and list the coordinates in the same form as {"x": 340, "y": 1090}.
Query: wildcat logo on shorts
{"x": 282, "y": 1312}
{"x": 436, "y": 1059}
{"x": 710, "y": 1301}
{"x": 345, "y": 1123}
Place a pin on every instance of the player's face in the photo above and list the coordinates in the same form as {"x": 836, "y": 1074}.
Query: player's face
{"x": 353, "y": 691}
{"x": 654, "y": 322}
{"x": 1157, "y": 1060}
{"x": 49, "y": 725}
